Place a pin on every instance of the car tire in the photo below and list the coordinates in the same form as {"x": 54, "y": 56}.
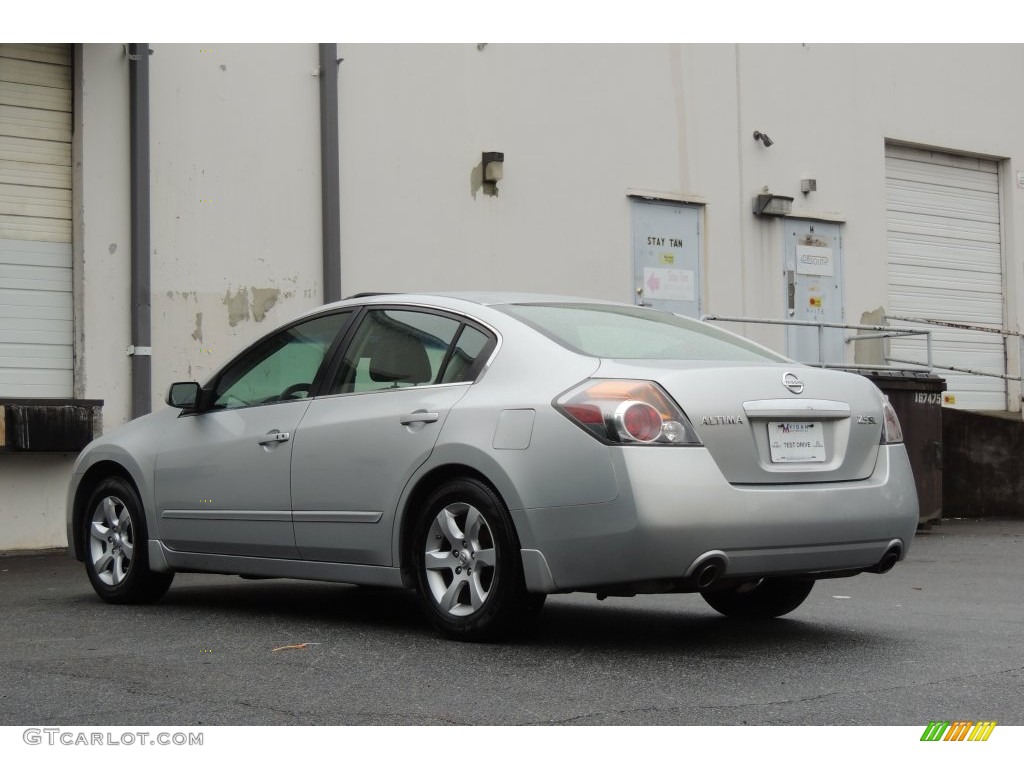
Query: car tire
{"x": 116, "y": 546}
{"x": 469, "y": 572}
{"x": 764, "y": 599}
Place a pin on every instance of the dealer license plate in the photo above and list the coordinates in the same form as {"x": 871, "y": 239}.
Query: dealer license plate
{"x": 796, "y": 441}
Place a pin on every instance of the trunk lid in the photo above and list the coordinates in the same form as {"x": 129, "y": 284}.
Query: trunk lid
{"x": 772, "y": 423}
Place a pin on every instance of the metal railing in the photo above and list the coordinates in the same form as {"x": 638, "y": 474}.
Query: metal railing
{"x": 1006, "y": 334}
{"x": 876, "y": 332}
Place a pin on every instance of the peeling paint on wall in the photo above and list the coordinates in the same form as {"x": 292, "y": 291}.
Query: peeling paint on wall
{"x": 871, "y": 351}
{"x": 238, "y": 305}
{"x": 249, "y": 303}
{"x": 197, "y": 334}
{"x": 263, "y": 300}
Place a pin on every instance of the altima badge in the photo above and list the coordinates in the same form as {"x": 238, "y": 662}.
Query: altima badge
{"x": 720, "y": 421}
{"x": 792, "y": 383}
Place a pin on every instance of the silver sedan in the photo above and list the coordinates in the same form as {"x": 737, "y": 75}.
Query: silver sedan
{"x": 487, "y": 450}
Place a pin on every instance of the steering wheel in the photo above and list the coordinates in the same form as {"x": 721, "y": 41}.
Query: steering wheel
{"x": 293, "y": 389}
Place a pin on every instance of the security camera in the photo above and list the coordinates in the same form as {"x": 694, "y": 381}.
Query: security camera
{"x": 763, "y": 138}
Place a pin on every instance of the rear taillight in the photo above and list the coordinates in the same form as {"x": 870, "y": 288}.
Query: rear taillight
{"x": 892, "y": 432}
{"x": 638, "y": 421}
{"x": 625, "y": 411}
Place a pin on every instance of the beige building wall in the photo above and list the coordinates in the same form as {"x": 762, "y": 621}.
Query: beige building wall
{"x": 236, "y": 218}
{"x": 235, "y": 142}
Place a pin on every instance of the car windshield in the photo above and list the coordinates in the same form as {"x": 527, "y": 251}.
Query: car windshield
{"x": 635, "y": 333}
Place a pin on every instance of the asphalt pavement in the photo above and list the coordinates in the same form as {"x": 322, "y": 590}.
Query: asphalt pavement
{"x": 941, "y": 637}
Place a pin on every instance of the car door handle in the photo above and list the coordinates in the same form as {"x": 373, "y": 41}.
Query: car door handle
{"x": 419, "y": 417}
{"x": 274, "y": 437}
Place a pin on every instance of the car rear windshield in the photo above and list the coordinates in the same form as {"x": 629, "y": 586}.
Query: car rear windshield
{"x": 634, "y": 333}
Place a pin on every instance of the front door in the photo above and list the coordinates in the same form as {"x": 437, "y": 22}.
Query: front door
{"x": 666, "y": 256}
{"x": 814, "y": 291}
{"x": 223, "y": 477}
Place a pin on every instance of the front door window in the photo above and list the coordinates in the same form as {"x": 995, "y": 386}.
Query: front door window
{"x": 282, "y": 367}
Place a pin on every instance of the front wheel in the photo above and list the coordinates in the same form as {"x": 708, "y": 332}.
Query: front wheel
{"x": 764, "y": 599}
{"x": 469, "y": 573}
{"x": 116, "y": 546}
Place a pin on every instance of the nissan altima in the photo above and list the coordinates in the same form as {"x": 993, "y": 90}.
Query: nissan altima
{"x": 488, "y": 450}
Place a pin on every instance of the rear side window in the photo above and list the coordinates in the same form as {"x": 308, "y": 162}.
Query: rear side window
{"x": 395, "y": 348}
{"x": 628, "y": 333}
{"x": 462, "y": 364}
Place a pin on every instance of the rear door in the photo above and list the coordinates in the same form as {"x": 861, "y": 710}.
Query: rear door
{"x": 384, "y": 405}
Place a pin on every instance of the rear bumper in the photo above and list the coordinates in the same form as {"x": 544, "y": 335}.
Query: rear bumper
{"x": 674, "y": 507}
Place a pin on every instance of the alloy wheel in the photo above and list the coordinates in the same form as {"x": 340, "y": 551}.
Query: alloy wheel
{"x": 460, "y": 560}
{"x": 111, "y": 541}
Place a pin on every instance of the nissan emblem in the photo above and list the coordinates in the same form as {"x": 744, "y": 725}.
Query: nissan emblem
{"x": 792, "y": 383}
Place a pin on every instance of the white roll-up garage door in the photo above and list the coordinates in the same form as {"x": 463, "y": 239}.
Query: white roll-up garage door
{"x": 945, "y": 263}
{"x": 36, "y": 312}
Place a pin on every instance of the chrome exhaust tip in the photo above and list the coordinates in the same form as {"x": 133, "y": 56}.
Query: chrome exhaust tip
{"x": 707, "y": 569}
{"x": 708, "y": 574}
{"x": 892, "y": 556}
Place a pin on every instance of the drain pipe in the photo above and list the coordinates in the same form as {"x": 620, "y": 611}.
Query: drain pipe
{"x": 140, "y": 350}
{"x": 329, "y": 172}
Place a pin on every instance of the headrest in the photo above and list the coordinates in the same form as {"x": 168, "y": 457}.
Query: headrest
{"x": 399, "y": 357}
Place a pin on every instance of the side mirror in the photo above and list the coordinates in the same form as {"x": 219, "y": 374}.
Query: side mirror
{"x": 183, "y": 394}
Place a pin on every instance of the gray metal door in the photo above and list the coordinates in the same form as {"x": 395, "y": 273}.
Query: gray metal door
{"x": 666, "y": 256}
{"x": 814, "y": 290}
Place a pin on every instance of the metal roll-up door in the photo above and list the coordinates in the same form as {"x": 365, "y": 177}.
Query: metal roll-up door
{"x": 36, "y": 314}
{"x": 945, "y": 263}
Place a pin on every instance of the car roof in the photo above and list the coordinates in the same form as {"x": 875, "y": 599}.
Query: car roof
{"x": 454, "y": 299}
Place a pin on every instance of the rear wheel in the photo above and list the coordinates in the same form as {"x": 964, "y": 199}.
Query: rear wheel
{"x": 764, "y": 599}
{"x": 116, "y": 546}
{"x": 469, "y": 573}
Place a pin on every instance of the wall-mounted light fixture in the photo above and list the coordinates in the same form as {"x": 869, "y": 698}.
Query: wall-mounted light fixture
{"x": 493, "y": 164}
{"x": 767, "y": 204}
{"x": 808, "y": 185}
{"x": 763, "y": 138}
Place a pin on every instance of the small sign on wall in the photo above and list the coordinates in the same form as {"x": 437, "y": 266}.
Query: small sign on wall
{"x": 814, "y": 260}
{"x": 671, "y": 284}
